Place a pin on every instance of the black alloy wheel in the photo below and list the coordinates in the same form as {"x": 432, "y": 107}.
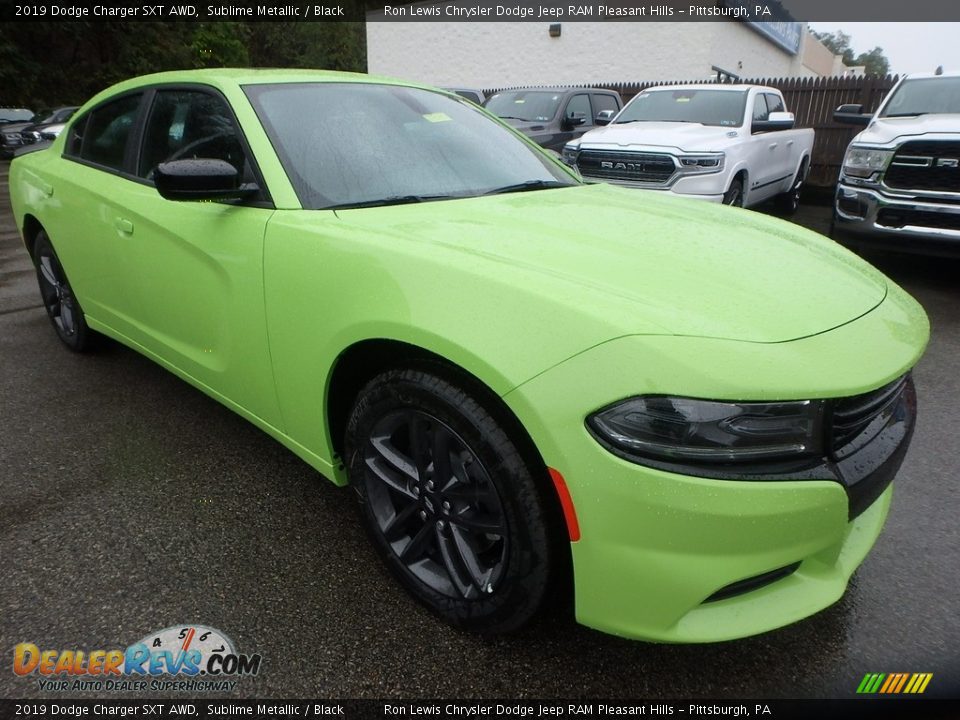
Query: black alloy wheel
{"x": 61, "y": 304}
{"x": 448, "y": 500}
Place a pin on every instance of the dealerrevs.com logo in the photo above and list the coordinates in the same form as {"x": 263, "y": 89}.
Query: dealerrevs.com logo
{"x": 188, "y": 658}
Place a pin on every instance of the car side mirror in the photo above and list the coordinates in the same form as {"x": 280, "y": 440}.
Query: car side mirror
{"x": 201, "y": 179}
{"x": 574, "y": 120}
{"x": 604, "y": 117}
{"x": 851, "y": 114}
{"x": 776, "y": 121}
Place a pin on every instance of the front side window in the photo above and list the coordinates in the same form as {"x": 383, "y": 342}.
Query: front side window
{"x": 101, "y": 138}
{"x": 187, "y": 124}
{"x": 579, "y": 105}
{"x": 350, "y": 144}
{"x": 760, "y": 110}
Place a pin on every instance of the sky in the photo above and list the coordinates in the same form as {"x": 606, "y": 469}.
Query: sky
{"x": 910, "y": 47}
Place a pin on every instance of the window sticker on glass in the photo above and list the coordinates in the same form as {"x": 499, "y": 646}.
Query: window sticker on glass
{"x": 437, "y": 117}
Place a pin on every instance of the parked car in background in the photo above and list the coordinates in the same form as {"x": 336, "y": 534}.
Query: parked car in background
{"x": 475, "y": 96}
{"x": 697, "y": 412}
{"x": 899, "y": 186}
{"x": 734, "y": 144}
{"x": 12, "y": 121}
{"x": 48, "y": 127}
{"x": 554, "y": 116}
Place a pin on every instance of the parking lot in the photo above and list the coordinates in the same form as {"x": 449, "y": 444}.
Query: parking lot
{"x": 131, "y": 502}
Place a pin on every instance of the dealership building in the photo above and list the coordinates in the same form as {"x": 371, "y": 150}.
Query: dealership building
{"x": 490, "y": 54}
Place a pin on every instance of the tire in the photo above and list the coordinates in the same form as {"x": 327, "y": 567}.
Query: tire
{"x": 62, "y": 306}
{"x": 734, "y": 195}
{"x": 476, "y": 549}
{"x": 788, "y": 202}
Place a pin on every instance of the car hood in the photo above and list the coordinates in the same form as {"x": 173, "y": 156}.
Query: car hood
{"x": 688, "y": 137}
{"x": 14, "y": 127}
{"x": 885, "y": 130}
{"x": 645, "y": 262}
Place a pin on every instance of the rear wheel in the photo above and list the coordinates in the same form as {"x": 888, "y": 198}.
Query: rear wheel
{"x": 450, "y": 503}
{"x": 62, "y": 306}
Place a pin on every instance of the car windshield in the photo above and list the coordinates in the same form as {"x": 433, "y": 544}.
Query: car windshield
{"x": 527, "y": 105}
{"x": 359, "y": 144}
{"x": 707, "y": 107}
{"x": 11, "y": 115}
{"x": 924, "y": 95}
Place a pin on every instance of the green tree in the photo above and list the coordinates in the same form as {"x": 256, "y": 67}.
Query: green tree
{"x": 875, "y": 62}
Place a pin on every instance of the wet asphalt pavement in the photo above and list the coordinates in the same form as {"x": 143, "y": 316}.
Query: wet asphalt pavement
{"x": 130, "y": 502}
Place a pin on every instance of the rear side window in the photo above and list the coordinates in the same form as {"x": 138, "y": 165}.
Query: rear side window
{"x": 189, "y": 124}
{"x": 101, "y": 137}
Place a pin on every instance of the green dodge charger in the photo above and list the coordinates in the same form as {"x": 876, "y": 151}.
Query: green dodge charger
{"x": 695, "y": 412}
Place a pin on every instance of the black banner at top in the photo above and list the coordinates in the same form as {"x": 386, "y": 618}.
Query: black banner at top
{"x": 769, "y": 11}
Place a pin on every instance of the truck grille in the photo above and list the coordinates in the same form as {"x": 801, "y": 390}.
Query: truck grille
{"x": 652, "y": 168}
{"x": 926, "y": 165}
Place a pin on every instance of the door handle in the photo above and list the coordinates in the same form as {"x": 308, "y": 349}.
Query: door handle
{"x": 124, "y": 226}
{"x": 773, "y": 146}
{"x": 789, "y": 143}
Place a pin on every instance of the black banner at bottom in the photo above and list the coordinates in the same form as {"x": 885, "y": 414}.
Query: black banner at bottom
{"x": 872, "y": 709}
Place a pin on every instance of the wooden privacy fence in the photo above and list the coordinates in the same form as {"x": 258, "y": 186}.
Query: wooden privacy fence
{"x": 812, "y": 100}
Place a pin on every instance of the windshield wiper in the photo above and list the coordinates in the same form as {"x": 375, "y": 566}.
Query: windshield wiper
{"x": 512, "y": 117}
{"x": 392, "y": 200}
{"x": 916, "y": 114}
{"x": 528, "y": 185}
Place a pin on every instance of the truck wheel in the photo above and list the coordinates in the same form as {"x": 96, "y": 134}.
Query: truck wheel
{"x": 734, "y": 196}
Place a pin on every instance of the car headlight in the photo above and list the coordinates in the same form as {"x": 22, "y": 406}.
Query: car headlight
{"x": 862, "y": 162}
{"x": 570, "y": 153}
{"x": 701, "y": 163}
{"x": 704, "y": 437}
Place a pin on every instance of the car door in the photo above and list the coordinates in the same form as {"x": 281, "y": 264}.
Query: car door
{"x": 196, "y": 268}
{"x": 786, "y": 150}
{"x": 85, "y": 207}
{"x": 763, "y": 152}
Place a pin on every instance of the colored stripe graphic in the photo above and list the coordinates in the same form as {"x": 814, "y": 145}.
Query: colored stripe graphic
{"x": 894, "y": 683}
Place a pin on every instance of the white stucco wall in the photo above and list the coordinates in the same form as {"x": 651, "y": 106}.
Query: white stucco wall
{"x": 494, "y": 54}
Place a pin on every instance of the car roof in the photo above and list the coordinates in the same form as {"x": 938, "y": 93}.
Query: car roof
{"x": 728, "y": 87}
{"x": 233, "y": 77}
{"x": 923, "y": 75}
{"x": 546, "y": 88}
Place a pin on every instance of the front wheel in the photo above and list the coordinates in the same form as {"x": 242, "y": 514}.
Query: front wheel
{"x": 61, "y": 304}
{"x": 734, "y": 195}
{"x": 450, "y": 503}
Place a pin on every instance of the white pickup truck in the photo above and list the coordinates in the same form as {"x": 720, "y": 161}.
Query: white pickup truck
{"x": 734, "y": 144}
{"x": 899, "y": 186}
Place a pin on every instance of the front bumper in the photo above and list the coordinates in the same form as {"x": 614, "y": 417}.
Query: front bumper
{"x": 897, "y": 222}
{"x": 656, "y": 547}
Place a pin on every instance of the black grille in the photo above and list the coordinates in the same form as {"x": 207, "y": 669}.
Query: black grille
{"x": 890, "y": 217}
{"x": 752, "y": 583}
{"x": 942, "y": 178}
{"x": 635, "y": 167}
{"x": 853, "y": 415}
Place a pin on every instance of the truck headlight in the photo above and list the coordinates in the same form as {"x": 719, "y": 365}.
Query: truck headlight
{"x": 701, "y": 163}
{"x": 699, "y": 437}
{"x": 862, "y": 162}
{"x": 570, "y": 153}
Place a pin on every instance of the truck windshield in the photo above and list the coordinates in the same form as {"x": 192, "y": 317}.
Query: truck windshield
{"x": 924, "y": 95}
{"x": 526, "y": 105}
{"x": 363, "y": 144}
{"x": 707, "y": 107}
